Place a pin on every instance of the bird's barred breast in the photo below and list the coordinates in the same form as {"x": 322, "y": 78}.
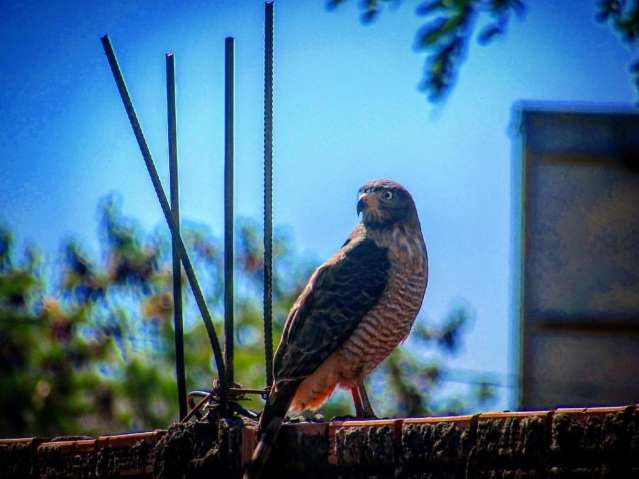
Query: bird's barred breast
{"x": 387, "y": 324}
{"x": 380, "y": 331}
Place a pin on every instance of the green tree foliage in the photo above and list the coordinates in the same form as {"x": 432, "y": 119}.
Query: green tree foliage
{"x": 623, "y": 16}
{"x": 450, "y": 25}
{"x": 86, "y": 343}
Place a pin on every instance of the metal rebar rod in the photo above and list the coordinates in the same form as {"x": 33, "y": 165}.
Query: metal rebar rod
{"x": 229, "y": 65}
{"x": 180, "y": 374}
{"x": 166, "y": 209}
{"x": 197, "y": 407}
{"x": 268, "y": 192}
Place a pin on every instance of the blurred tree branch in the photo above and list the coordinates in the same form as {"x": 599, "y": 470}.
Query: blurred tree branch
{"x": 623, "y": 16}
{"x": 449, "y": 26}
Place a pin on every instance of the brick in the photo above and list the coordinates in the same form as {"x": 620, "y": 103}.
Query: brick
{"x": 567, "y": 442}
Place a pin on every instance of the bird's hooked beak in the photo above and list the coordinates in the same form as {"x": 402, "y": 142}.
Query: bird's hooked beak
{"x": 366, "y": 201}
{"x": 361, "y": 203}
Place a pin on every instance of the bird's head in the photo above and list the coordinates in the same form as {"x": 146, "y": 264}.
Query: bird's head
{"x": 384, "y": 203}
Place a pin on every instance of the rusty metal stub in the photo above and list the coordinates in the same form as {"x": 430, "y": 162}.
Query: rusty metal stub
{"x": 249, "y": 441}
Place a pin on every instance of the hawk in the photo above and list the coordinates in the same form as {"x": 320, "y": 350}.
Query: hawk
{"x": 355, "y": 309}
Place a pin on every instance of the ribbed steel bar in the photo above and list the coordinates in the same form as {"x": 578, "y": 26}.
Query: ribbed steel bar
{"x": 268, "y": 191}
{"x": 180, "y": 374}
{"x": 166, "y": 209}
{"x": 229, "y": 94}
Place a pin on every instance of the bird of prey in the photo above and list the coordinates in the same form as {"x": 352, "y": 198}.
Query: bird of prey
{"x": 355, "y": 309}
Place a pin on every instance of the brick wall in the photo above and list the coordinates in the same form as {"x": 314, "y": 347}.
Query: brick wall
{"x": 584, "y": 443}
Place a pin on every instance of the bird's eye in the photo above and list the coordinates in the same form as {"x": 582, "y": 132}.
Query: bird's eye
{"x": 387, "y": 195}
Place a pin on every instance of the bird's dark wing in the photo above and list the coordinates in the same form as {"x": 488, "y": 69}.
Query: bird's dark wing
{"x": 337, "y": 297}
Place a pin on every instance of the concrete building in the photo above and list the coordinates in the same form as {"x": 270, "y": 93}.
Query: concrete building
{"x": 577, "y": 255}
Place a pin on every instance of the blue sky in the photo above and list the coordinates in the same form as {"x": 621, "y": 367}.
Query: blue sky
{"x": 347, "y": 110}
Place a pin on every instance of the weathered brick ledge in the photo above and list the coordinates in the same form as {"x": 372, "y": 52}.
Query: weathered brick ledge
{"x": 584, "y": 443}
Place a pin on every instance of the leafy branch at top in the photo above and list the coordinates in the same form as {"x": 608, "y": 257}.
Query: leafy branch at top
{"x": 444, "y": 37}
{"x": 451, "y": 24}
{"x": 623, "y": 16}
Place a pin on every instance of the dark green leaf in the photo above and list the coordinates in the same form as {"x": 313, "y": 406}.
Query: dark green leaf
{"x": 488, "y": 33}
{"x": 430, "y": 34}
{"x": 427, "y": 8}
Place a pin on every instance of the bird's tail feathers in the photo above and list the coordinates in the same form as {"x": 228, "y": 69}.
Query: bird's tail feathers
{"x": 269, "y": 426}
